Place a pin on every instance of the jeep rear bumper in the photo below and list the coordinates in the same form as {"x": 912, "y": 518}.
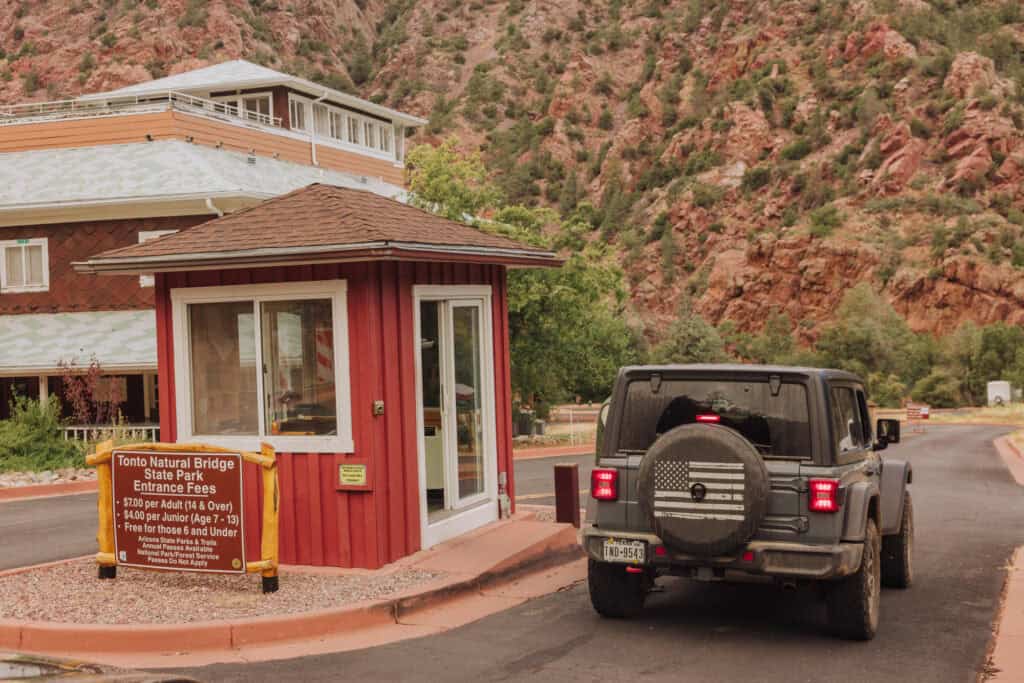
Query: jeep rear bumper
{"x": 767, "y": 558}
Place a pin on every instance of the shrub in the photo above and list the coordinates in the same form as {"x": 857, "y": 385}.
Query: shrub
{"x": 920, "y": 129}
{"x": 824, "y": 220}
{"x": 954, "y": 119}
{"x": 796, "y": 150}
{"x": 32, "y": 439}
{"x": 30, "y": 82}
{"x": 605, "y": 120}
{"x": 938, "y": 389}
{"x": 755, "y": 178}
{"x": 706, "y": 196}
{"x": 701, "y": 161}
{"x": 604, "y": 85}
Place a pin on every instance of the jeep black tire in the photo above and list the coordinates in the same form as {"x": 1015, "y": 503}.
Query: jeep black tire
{"x": 703, "y": 489}
{"x": 853, "y": 601}
{"x": 614, "y": 592}
{"x": 898, "y": 550}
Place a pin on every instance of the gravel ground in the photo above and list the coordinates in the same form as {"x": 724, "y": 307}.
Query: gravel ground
{"x": 58, "y": 476}
{"x": 71, "y": 593}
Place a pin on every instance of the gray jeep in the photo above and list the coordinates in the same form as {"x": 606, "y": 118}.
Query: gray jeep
{"x": 713, "y": 472}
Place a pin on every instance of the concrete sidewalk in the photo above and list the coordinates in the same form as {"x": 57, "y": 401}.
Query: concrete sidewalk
{"x": 1006, "y": 659}
{"x": 485, "y": 571}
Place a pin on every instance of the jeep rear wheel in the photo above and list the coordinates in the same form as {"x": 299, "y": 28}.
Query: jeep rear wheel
{"x": 614, "y": 592}
{"x": 898, "y": 550}
{"x": 853, "y": 602}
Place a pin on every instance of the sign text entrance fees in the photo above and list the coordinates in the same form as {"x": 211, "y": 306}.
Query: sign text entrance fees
{"x": 178, "y": 510}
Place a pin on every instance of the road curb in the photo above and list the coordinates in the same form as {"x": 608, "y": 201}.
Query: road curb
{"x": 49, "y": 638}
{"x": 1012, "y": 457}
{"x": 48, "y": 490}
{"x": 552, "y": 451}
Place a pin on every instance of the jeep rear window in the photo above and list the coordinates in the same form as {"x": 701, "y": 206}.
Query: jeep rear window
{"x": 777, "y": 426}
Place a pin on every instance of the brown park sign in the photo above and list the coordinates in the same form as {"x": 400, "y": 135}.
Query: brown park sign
{"x": 178, "y": 510}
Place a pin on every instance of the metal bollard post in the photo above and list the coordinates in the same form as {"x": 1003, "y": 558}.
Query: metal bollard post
{"x": 567, "y": 494}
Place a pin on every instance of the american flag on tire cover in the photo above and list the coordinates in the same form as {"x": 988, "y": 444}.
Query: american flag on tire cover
{"x": 723, "y": 481}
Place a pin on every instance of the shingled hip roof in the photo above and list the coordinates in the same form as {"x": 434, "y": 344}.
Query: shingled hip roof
{"x": 319, "y": 223}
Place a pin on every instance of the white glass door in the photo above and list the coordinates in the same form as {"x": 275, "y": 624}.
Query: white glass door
{"x": 457, "y": 442}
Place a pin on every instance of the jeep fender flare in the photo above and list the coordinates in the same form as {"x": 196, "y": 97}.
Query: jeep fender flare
{"x": 896, "y": 474}
{"x": 857, "y": 506}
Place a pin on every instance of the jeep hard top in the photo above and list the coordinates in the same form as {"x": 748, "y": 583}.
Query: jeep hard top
{"x": 716, "y": 471}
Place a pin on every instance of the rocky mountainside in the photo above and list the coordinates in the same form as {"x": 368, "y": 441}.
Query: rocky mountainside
{"x": 745, "y": 155}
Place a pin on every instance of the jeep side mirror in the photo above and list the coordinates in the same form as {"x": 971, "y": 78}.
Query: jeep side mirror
{"x": 888, "y": 431}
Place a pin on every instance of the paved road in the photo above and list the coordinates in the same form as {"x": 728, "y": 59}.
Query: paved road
{"x": 535, "y": 478}
{"x": 47, "y": 529}
{"x": 970, "y": 516}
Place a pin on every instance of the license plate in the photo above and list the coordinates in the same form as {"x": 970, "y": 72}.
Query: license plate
{"x": 624, "y": 551}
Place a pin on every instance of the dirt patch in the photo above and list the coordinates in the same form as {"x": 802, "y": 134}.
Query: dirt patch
{"x": 71, "y": 593}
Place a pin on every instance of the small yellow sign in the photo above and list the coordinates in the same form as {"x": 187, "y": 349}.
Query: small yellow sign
{"x": 352, "y": 475}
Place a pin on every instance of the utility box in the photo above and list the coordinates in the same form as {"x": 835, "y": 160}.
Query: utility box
{"x": 999, "y": 393}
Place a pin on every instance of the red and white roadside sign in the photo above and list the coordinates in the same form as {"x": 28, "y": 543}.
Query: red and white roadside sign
{"x": 179, "y": 511}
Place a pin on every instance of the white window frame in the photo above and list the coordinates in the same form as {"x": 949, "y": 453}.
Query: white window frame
{"x": 307, "y": 113}
{"x": 145, "y": 236}
{"x": 336, "y": 291}
{"x": 236, "y": 101}
{"x": 347, "y": 118}
{"x": 485, "y": 509}
{"x": 20, "y": 243}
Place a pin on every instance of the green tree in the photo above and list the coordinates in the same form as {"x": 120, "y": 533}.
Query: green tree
{"x": 774, "y": 344}
{"x": 443, "y": 180}
{"x": 871, "y": 339}
{"x": 568, "y": 333}
{"x": 690, "y": 339}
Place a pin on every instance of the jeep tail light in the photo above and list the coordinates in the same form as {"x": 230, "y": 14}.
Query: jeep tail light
{"x": 709, "y": 418}
{"x": 604, "y": 484}
{"x": 824, "y": 495}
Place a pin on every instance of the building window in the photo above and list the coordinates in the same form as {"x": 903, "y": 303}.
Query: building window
{"x": 145, "y": 236}
{"x": 369, "y": 134}
{"x": 320, "y": 118}
{"x": 264, "y": 363}
{"x": 332, "y": 123}
{"x": 254, "y": 107}
{"x": 258, "y": 104}
{"x": 298, "y": 114}
{"x": 353, "y": 130}
{"x": 337, "y": 125}
{"x": 24, "y": 266}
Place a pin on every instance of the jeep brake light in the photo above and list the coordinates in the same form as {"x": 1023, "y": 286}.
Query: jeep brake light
{"x": 604, "y": 484}
{"x": 709, "y": 417}
{"x": 824, "y": 495}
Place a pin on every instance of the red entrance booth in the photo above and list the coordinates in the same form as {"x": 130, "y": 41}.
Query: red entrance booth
{"x": 366, "y": 340}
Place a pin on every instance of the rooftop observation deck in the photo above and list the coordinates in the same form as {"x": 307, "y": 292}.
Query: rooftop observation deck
{"x": 63, "y": 110}
{"x": 179, "y": 116}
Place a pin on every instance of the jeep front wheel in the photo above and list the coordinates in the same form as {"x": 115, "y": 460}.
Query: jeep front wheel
{"x": 853, "y": 602}
{"x": 614, "y": 592}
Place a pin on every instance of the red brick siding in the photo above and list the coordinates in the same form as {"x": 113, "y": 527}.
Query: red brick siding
{"x": 69, "y": 242}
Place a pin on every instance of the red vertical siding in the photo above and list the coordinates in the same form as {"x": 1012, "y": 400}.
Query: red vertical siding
{"x": 320, "y": 525}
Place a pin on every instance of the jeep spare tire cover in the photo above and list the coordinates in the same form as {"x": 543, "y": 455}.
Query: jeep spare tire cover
{"x": 704, "y": 489}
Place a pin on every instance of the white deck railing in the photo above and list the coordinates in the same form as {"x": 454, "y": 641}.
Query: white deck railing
{"x": 132, "y": 433}
{"x": 61, "y": 110}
